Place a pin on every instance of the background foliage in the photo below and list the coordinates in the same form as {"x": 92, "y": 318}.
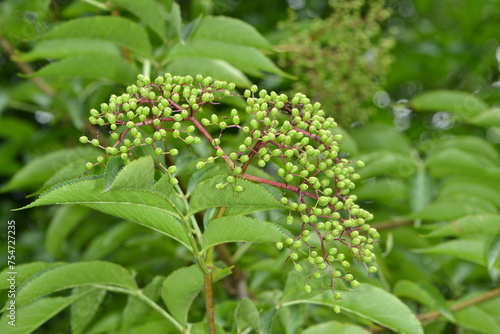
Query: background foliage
{"x": 415, "y": 88}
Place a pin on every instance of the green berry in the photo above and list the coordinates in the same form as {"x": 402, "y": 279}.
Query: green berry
{"x": 279, "y": 245}
{"x": 336, "y": 309}
{"x": 84, "y": 139}
{"x": 308, "y": 288}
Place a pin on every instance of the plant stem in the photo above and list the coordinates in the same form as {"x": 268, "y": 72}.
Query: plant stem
{"x": 433, "y": 315}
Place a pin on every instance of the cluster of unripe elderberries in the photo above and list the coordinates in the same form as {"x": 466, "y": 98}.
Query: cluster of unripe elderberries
{"x": 292, "y": 135}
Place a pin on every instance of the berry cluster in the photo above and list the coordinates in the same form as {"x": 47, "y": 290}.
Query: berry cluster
{"x": 292, "y": 135}
{"x": 342, "y": 59}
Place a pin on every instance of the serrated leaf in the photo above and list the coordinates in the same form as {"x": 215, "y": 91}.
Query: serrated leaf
{"x": 147, "y": 208}
{"x": 148, "y": 11}
{"x": 248, "y": 313}
{"x": 113, "y": 167}
{"x": 135, "y": 308}
{"x": 241, "y": 228}
{"x": 137, "y": 175}
{"x": 469, "y": 250}
{"x": 215, "y": 68}
{"x": 119, "y": 30}
{"x": 227, "y": 29}
{"x": 245, "y": 58}
{"x": 32, "y": 175}
{"x": 486, "y": 118}
{"x": 461, "y": 103}
{"x": 98, "y": 67}
{"x": 63, "y": 222}
{"x": 74, "y": 275}
{"x": 335, "y": 327}
{"x": 425, "y": 294}
{"x": 32, "y": 316}
{"x": 205, "y": 196}
{"x": 24, "y": 272}
{"x": 485, "y": 224}
{"x": 181, "y": 287}
{"x": 69, "y": 47}
{"x": 84, "y": 309}
{"x": 493, "y": 251}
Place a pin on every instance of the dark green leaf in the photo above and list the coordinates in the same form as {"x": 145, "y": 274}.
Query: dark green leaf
{"x": 461, "y": 103}
{"x": 248, "y": 313}
{"x": 227, "y": 29}
{"x": 114, "y": 165}
{"x": 241, "y": 228}
{"x": 74, "y": 275}
{"x": 113, "y": 68}
{"x": 478, "y": 320}
{"x": 119, "y": 30}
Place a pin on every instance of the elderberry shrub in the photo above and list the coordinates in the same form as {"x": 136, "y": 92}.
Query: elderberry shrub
{"x": 290, "y": 133}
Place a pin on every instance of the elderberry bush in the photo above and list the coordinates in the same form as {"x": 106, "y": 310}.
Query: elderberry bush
{"x": 291, "y": 134}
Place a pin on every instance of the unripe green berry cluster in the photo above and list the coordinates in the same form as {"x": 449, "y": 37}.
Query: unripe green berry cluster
{"x": 289, "y": 135}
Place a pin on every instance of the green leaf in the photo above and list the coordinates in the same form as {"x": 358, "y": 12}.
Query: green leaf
{"x": 24, "y": 271}
{"x": 205, "y": 196}
{"x": 137, "y": 309}
{"x": 479, "y": 224}
{"x": 215, "y": 68}
{"x": 453, "y": 208}
{"x": 248, "y": 313}
{"x": 84, "y": 309}
{"x": 241, "y": 228}
{"x": 148, "y": 11}
{"x": 374, "y": 304}
{"x": 456, "y": 186}
{"x": 115, "y": 164}
{"x": 335, "y": 327}
{"x": 425, "y": 294}
{"x": 110, "y": 240}
{"x": 380, "y": 137}
{"x": 493, "y": 251}
{"x": 32, "y": 175}
{"x": 98, "y": 67}
{"x": 469, "y": 250}
{"x": 474, "y": 145}
{"x": 387, "y": 163}
{"x": 138, "y": 175}
{"x": 461, "y": 103}
{"x": 266, "y": 321}
{"x": 227, "y": 29}
{"x": 74, "y": 275}
{"x": 487, "y": 118}
{"x": 147, "y": 208}
{"x": 118, "y": 30}
{"x": 478, "y": 320}
{"x": 69, "y": 47}
{"x": 454, "y": 161}
{"x": 383, "y": 190}
{"x": 32, "y": 316}
{"x": 174, "y": 21}
{"x": 181, "y": 287}
{"x": 421, "y": 190}
{"x": 245, "y": 58}
{"x": 63, "y": 222}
